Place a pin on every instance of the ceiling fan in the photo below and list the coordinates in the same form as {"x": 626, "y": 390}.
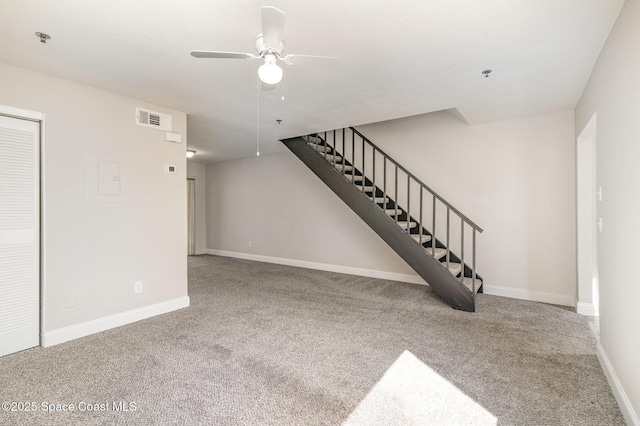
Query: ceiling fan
{"x": 269, "y": 47}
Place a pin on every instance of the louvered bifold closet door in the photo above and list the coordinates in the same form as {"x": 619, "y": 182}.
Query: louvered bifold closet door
{"x": 19, "y": 234}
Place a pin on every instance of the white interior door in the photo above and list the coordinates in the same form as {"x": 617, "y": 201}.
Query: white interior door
{"x": 19, "y": 234}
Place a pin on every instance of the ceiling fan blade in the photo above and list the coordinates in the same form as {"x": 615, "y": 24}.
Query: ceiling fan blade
{"x": 272, "y": 26}
{"x": 222, "y": 55}
{"x": 308, "y": 59}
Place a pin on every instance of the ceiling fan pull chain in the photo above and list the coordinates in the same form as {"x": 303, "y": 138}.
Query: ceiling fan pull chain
{"x": 258, "y": 117}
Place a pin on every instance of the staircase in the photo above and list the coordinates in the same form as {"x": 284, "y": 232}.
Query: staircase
{"x": 431, "y": 235}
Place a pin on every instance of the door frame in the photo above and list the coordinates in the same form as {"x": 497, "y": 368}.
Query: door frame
{"x": 191, "y": 216}
{"x": 24, "y": 114}
{"x": 586, "y": 214}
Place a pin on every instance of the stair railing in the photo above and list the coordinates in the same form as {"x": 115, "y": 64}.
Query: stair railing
{"x": 370, "y": 160}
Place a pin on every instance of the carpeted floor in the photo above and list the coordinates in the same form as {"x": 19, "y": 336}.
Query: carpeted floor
{"x": 267, "y": 344}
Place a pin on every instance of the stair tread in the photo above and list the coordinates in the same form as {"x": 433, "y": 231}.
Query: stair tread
{"x": 454, "y": 267}
{"x": 440, "y": 252}
{"x": 366, "y": 187}
{"x": 381, "y": 200}
{"x": 468, "y": 282}
{"x": 425, "y": 238}
{"x": 406, "y": 225}
{"x": 392, "y": 212}
{"x": 330, "y": 157}
{"x": 342, "y": 166}
{"x": 312, "y": 139}
{"x": 320, "y": 147}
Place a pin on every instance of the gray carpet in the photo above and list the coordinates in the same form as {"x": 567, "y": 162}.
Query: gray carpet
{"x": 275, "y": 345}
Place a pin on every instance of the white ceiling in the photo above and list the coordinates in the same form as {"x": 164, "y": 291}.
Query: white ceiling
{"x": 398, "y": 58}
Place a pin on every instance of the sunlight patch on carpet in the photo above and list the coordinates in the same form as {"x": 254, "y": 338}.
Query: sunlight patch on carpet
{"x": 411, "y": 393}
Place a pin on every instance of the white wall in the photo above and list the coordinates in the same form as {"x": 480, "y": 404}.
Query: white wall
{"x": 198, "y": 172}
{"x": 515, "y": 178}
{"x": 97, "y": 250}
{"x": 286, "y": 212}
{"x": 613, "y": 95}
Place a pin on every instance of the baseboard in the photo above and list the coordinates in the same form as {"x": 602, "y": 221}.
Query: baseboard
{"x": 534, "y": 296}
{"x": 65, "y": 334}
{"x": 372, "y": 273}
{"x": 585, "y": 308}
{"x": 630, "y": 416}
{"x": 515, "y": 293}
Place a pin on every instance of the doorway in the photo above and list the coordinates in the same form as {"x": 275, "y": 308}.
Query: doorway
{"x": 19, "y": 230}
{"x": 587, "y": 194}
{"x": 191, "y": 216}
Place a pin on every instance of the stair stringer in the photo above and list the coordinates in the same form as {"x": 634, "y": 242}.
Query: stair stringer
{"x": 446, "y": 285}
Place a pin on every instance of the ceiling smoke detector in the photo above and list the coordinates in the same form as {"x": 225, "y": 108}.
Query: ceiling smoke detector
{"x": 43, "y": 37}
{"x": 486, "y": 73}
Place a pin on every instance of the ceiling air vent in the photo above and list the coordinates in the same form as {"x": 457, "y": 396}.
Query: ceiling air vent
{"x": 153, "y": 119}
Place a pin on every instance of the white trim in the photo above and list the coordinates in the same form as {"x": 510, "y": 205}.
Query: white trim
{"x": 556, "y": 299}
{"x": 372, "y": 273}
{"x": 534, "y": 296}
{"x": 43, "y": 234}
{"x": 21, "y": 113}
{"x": 38, "y": 116}
{"x": 626, "y": 408}
{"x": 585, "y": 308}
{"x": 586, "y": 215}
{"x": 65, "y": 334}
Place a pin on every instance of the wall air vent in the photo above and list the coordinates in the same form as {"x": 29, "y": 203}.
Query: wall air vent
{"x": 153, "y": 119}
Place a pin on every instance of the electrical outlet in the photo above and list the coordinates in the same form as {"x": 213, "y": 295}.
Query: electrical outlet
{"x": 137, "y": 287}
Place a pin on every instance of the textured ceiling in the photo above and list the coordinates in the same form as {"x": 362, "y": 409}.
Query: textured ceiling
{"x": 398, "y": 58}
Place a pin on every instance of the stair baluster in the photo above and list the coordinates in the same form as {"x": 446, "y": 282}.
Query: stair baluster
{"x": 448, "y": 243}
{"x": 373, "y": 175}
{"x": 384, "y": 183}
{"x": 462, "y": 250}
{"x": 395, "y": 193}
{"x": 420, "y": 231}
{"x": 408, "y": 200}
{"x": 433, "y": 229}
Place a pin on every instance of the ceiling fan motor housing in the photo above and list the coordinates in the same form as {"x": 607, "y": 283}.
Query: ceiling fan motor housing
{"x": 263, "y": 50}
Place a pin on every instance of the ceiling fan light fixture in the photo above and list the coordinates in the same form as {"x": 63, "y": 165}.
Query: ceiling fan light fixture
{"x": 270, "y": 72}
